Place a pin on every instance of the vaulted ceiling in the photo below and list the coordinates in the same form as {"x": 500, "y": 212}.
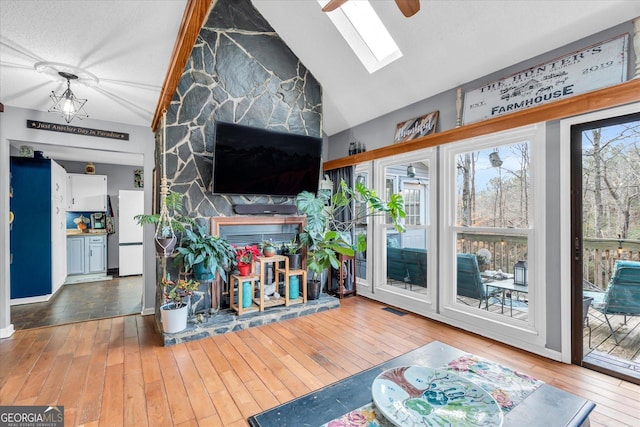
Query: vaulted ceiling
{"x": 127, "y": 45}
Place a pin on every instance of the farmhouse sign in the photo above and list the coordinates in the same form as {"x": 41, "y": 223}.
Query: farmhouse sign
{"x": 55, "y": 127}
{"x": 415, "y": 128}
{"x": 592, "y": 68}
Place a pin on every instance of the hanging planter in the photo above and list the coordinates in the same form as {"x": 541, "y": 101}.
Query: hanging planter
{"x": 165, "y": 246}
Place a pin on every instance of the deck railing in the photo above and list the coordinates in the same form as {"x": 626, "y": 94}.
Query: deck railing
{"x": 599, "y": 257}
{"x": 505, "y": 250}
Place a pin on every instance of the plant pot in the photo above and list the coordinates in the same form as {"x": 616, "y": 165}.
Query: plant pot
{"x": 247, "y": 297}
{"x": 165, "y": 246}
{"x": 294, "y": 261}
{"x": 294, "y": 287}
{"x": 201, "y": 273}
{"x": 269, "y": 250}
{"x": 173, "y": 319}
{"x": 314, "y": 287}
{"x": 244, "y": 269}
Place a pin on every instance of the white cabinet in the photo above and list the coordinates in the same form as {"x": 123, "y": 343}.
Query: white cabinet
{"x": 75, "y": 255}
{"x": 86, "y": 254}
{"x": 97, "y": 254}
{"x": 86, "y": 193}
{"x": 58, "y": 225}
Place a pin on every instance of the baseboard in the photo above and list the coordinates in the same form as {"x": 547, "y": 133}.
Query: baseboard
{"x": 7, "y": 332}
{"x": 30, "y": 300}
{"x": 148, "y": 311}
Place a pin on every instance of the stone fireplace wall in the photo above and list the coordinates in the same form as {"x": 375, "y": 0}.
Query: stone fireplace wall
{"x": 239, "y": 71}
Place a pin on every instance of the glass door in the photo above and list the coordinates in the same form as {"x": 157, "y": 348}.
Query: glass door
{"x": 606, "y": 228}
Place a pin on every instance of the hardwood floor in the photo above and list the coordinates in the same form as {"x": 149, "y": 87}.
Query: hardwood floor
{"x": 82, "y": 301}
{"x": 115, "y": 372}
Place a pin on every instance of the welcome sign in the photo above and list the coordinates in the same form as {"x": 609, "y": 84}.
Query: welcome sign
{"x": 597, "y": 66}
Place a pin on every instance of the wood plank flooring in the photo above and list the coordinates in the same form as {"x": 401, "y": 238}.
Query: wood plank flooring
{"x": 115, "y": 372}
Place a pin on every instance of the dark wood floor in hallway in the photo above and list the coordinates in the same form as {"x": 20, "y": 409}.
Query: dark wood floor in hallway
{"x": 115, "y": 372}
{"x": 82, "y": 301}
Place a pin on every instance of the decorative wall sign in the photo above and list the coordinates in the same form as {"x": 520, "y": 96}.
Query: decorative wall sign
{"x": 416, "y": 128}
{"x": 595, "y": 67}
{"x": 55, "y": 127}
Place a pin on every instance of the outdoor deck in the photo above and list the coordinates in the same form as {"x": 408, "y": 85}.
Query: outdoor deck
{"x": 604, "y": 352}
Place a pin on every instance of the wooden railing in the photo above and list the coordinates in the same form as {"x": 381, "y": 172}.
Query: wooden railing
{"x": 505, "y": 250}
{"x": 599, "y": 257}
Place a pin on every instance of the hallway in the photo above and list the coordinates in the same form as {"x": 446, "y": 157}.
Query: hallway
{"x": 81, "y": 302}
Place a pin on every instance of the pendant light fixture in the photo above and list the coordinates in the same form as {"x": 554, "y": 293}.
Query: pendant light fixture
{"x": 67, "y": 104}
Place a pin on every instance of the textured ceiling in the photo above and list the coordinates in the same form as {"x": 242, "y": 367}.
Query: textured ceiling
{"x": 127, "y": 45}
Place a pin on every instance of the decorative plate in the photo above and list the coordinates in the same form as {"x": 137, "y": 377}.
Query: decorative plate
{"x": 421, "y": 396}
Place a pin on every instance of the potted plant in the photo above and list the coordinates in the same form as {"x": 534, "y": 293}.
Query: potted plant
{"x": 176, "y": 297}
{"x": 269, "y": 248}
{"x": 293, "y": 253}
{"x": 203, "y": 254}
{"x": 327, "y": 236}
{"x": 245, "y": 257}
{"x": 484, "y": 258}
{"x": 176, "y": 221}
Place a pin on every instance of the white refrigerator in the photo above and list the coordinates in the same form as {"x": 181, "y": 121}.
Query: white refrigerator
{"x": 130, "y": 259}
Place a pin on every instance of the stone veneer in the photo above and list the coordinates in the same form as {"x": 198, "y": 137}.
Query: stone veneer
{"x": 227, "y": 321}
{"x": 239, "y": 71}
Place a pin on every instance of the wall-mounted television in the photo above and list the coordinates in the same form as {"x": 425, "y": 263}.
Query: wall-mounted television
{"x": 254, "y": 161}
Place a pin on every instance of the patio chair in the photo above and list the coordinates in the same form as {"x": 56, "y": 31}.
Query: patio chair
{"x": 469, "y": 282}
{"x": 622, "y": 296}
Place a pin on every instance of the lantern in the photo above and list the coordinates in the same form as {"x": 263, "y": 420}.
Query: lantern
{"x": 520, "y": 273}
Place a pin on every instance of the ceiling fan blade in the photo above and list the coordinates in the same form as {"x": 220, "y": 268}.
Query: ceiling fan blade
{"x": 333, "y": 5}
{"x": 408, "y": 7}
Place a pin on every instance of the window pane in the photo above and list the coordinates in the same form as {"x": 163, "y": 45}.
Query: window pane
{"x": 493, "y": 187}
{"x": 492, "y": 273}
{"x": 407, "y": 252}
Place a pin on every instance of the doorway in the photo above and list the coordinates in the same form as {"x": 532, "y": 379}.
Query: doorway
{"x": 605, "y": 229}
{"x": 86, "y": 296}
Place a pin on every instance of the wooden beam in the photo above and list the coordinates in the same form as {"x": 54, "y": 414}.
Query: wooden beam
{"x": 195, "y": 13}
{"x": 612, "y": 96}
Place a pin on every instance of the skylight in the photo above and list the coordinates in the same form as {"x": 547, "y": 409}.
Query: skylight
{"x": 365, "y": 33}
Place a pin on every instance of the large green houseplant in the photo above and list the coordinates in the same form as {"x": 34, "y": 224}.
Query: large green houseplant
{"x": 327, "y": 236}
{"x": 204, "y": 254}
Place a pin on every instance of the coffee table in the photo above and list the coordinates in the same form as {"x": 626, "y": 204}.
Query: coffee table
{"x": 545, "y": 406}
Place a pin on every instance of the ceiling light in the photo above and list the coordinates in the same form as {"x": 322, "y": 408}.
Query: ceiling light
{"x": 67, "y": 104}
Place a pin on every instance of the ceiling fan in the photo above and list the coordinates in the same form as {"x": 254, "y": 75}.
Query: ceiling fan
{"x": 407, "y": 7}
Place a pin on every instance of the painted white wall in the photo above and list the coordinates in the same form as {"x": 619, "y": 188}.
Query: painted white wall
{"x": 14, "y": 131}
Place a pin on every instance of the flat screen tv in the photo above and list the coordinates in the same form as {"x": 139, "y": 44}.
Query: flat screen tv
{"x": 254, "y": 161}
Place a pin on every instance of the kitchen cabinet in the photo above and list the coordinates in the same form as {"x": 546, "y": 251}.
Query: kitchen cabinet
{"x": 86, "y": 193}
{"x": 97, "y": 254}
{"x": 38, "y": 267}
{"x": 75, "y": 255}
{"x": 86, "y": 254}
